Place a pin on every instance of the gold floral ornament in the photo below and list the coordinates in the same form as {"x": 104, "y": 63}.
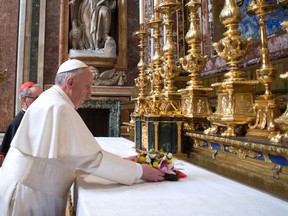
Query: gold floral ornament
{"x": 160, "y": 160}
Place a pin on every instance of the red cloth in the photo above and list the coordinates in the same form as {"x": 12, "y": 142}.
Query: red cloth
{"x": 181, "y": 174}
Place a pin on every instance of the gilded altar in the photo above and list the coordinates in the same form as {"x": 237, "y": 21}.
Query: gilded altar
{"x": 224, "y": 124}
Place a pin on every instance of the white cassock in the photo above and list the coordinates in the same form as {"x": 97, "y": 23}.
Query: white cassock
{"x": 52, "y": 143}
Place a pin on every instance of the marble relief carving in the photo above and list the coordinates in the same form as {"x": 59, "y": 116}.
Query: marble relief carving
{"x": 108, "y": 77}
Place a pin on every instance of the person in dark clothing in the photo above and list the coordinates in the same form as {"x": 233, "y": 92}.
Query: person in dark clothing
{"x": 28, "y": 93}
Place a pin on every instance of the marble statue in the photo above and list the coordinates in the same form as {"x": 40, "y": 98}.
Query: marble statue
{"x": 90, "y": 23}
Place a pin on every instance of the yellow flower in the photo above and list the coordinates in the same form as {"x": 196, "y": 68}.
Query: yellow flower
{"x": 155, "y": 164}
{"x": 169, "y": 161}
{"x": 142, "y": 159}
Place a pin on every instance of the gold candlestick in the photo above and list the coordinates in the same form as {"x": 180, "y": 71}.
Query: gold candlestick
{"x": 266, "y": 105}
{"x": 141, "y": 80}
{"x": 195, "y": 102}
{"x": 170, "y": 100}
{"x": 266, "y": 73}
{"x": 153, "y": 101}
{"x": 170, "y": 70}
{"x": 156, "y": 23}
{"x": 235, "y": 93}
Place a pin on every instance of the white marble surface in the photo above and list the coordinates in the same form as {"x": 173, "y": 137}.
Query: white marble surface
{"x": 201, "y": 193}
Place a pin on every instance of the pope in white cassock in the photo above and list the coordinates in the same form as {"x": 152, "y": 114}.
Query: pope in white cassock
{"x": 52, "y": 143}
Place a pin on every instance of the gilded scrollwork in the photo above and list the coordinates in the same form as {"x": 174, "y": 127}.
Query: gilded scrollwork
{"x": 242, "y": 153}
{"x": 245, "y": 144}
{"x": 199, "y": 143}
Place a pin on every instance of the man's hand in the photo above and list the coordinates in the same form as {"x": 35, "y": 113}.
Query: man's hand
{"x": 151, "y": 174}
{"x": 131, "y": 158}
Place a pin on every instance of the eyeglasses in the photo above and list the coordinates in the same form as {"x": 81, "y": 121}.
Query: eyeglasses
{"x": 34, "y": 98}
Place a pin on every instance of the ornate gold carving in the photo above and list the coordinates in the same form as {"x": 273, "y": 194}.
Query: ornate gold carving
{"x": 232, "y": 48}
{"x": 266, "y": 111}
{"x": 199, "y": 143}
{"x": 244, "y": 144}
{"x": 243, "y": 153}
{"x": 282, "y": 122}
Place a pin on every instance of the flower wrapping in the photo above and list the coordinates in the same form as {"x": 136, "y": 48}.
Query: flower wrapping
{"x": 161, "y": 160}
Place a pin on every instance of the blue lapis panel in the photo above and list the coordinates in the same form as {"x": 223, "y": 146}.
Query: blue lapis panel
{"x": 278, "y": 159}
{"x": 249, "y": 25}
{"x": 216, "y": 146}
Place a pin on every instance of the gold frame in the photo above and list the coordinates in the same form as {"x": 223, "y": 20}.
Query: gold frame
{"x": 121, "y": 61}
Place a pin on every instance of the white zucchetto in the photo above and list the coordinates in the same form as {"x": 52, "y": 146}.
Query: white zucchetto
{"x": 71, "y": 64}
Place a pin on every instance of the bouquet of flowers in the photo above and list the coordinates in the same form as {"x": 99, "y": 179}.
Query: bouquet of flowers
{"x": 161, "y": 160}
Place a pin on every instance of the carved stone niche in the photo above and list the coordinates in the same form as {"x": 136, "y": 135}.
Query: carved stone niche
{"x": 109, "y": 57}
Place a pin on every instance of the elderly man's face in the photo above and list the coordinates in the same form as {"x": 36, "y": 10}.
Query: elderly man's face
{"x": 28, "y": 100}
{"x": 81, "y": 87}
